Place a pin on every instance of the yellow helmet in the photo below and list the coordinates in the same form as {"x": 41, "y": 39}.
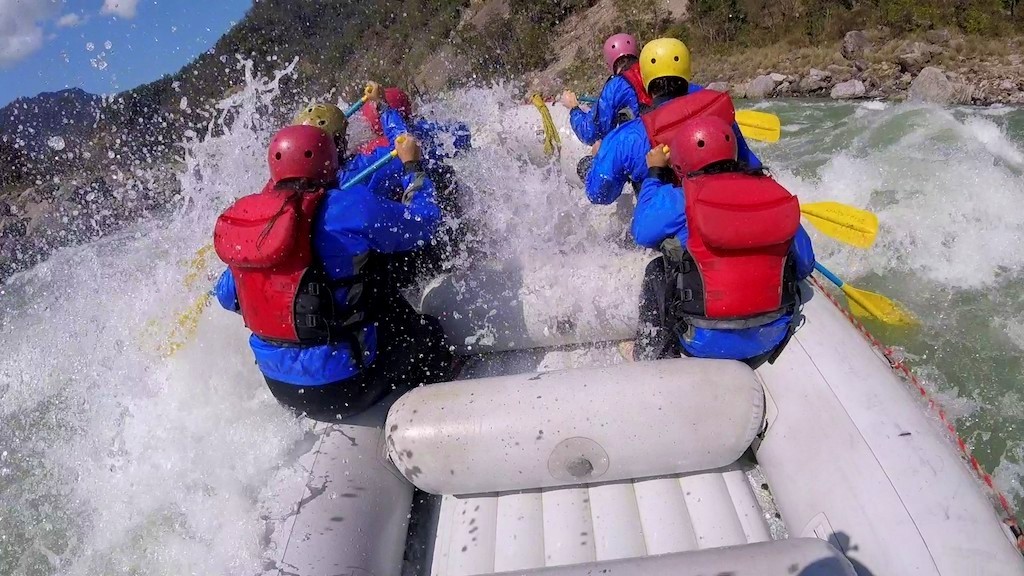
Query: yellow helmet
{"x": 662, "y": 58}
{"x": 326, "y": 117}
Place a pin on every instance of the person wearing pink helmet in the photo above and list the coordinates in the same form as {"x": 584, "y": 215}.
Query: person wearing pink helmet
{"x": 622, "y": 98}
{"x": 733, "y": 251}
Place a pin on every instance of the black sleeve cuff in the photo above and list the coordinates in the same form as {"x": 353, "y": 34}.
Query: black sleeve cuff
{"x": 583, "y": 167}
{"x": 662, "y": 173}
{"x": 413, "y": 166}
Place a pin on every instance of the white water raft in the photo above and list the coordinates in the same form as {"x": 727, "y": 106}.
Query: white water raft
{"x": 821, "y": 464}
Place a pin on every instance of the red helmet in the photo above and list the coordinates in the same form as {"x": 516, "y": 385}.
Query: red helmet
{"x": 701, "y": 142}
{"x": 397, "y": 99}
{"x": 302, "y": 152}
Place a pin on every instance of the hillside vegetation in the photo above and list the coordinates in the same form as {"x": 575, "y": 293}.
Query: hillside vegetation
{"x": 124, "y": 149}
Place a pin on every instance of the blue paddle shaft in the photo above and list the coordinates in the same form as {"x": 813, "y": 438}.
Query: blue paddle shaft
{"x": 828, "y": 274}
{"x": 355, "y": 107}
{"x": 368, "y": 171}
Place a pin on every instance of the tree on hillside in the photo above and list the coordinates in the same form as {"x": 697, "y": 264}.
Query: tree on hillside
{"x": 12, "y": 164}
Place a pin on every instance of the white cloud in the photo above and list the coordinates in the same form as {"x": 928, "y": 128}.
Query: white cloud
{"x": 20, "y": 30}
{"x": 121, "y": 8}
{"x": 70, "y": 20}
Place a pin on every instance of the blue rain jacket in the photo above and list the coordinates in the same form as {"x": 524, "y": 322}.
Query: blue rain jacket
{"x": 660, "y": 214}
{"x": 386, "y": 180}
{"x": 441, "y": 141}
{"x": 617, "y": 94}
{"x": 622, "y": 158}
{"x": 437, "y": 141}
{"x": 349, "y": 225}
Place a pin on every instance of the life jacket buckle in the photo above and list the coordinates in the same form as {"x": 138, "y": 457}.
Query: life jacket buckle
{"x": 687, "y": 295}
{"x": 311, "y": 321}
{"x": 314, "y": 288}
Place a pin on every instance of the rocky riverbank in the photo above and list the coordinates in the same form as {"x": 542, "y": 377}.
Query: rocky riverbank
{"x": 42, "y": 218}
{"x": 940, "y": 67}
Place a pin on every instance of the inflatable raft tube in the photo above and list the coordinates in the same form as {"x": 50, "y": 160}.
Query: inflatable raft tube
{"x": 557, "y": 302}
{"x": 353, "y": 513}
{"x": 852, "y": 456}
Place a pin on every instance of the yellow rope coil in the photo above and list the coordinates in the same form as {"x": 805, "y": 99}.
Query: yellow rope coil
{"x": 552, "y": 141}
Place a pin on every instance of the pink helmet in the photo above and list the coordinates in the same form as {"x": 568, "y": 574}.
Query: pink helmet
{"x": 619, "y": 45}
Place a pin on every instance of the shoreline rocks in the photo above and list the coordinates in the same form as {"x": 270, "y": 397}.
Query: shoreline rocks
{"x": 929, "y": 69}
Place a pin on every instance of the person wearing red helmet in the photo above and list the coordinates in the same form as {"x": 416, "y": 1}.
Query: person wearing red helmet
{"x": 325, "y": 327}
{"x": 733, "y": 251}
{"x": 397, "y": 100}
{"x": 439, "y": 142}
{"x": 623, "y": 96}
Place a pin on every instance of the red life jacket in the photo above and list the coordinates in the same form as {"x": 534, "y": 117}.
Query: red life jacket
{"x": 662, "y": 122}
{"x": 632, "y": 75}
{"x": 736, "y": 271}
{"x": 378, "y": 142}
{"x": 283, "y": 292}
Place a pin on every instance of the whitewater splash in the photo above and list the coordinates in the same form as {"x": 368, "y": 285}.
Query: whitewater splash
{"x": 115, "y": 460}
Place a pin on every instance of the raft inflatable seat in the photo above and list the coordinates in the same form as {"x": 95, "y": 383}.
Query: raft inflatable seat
{"x": 798, "y": 556}
{"x": 564, "y": 428}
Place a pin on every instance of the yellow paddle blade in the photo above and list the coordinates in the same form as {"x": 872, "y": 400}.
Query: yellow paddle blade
{"x": 868, "y": 304}
{"x": 844, "y": 223}
{"x": 761, "y": 126}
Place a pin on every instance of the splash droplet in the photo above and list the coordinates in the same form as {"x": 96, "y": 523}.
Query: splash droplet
{"x": 56, "y": 142}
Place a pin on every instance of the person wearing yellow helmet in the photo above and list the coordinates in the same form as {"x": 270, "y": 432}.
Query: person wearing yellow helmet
{"x": 666, "y": 71}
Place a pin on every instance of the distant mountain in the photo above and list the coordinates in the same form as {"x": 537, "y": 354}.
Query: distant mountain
{"x": 65, "y": 116}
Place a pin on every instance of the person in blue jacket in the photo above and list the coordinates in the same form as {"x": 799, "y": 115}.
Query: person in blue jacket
{"x": 439, "y": 141}
{"x": 388, "y": 112}
{"x": 390, "y": 345}
{"x": 665, "y": 66}
{"x": 622, "y": 98}
{"x": 677, "y": 293}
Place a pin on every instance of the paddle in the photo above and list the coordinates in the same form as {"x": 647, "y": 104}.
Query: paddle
{"x": 844, "y": 223}
{"x": 358, "y": 103}
{"x": 868, "y": 304}
{"x": 760, "y": 126}
{"x": 754, "y": 124}
{"x": 372, "y": 167}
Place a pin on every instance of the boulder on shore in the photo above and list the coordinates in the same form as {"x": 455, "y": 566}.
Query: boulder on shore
{"x": 855, "y": 43}
{"x": 760, "y": 87}
{"x": 941, "y": 37}
{"x": 931, "y": 85}
{"x": 810, "y": 84}
{"x": 849, "y": 89}
{"x": 718, "y": 86}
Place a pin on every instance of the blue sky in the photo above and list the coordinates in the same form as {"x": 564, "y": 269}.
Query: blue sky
{"x": 104, "y": 46}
